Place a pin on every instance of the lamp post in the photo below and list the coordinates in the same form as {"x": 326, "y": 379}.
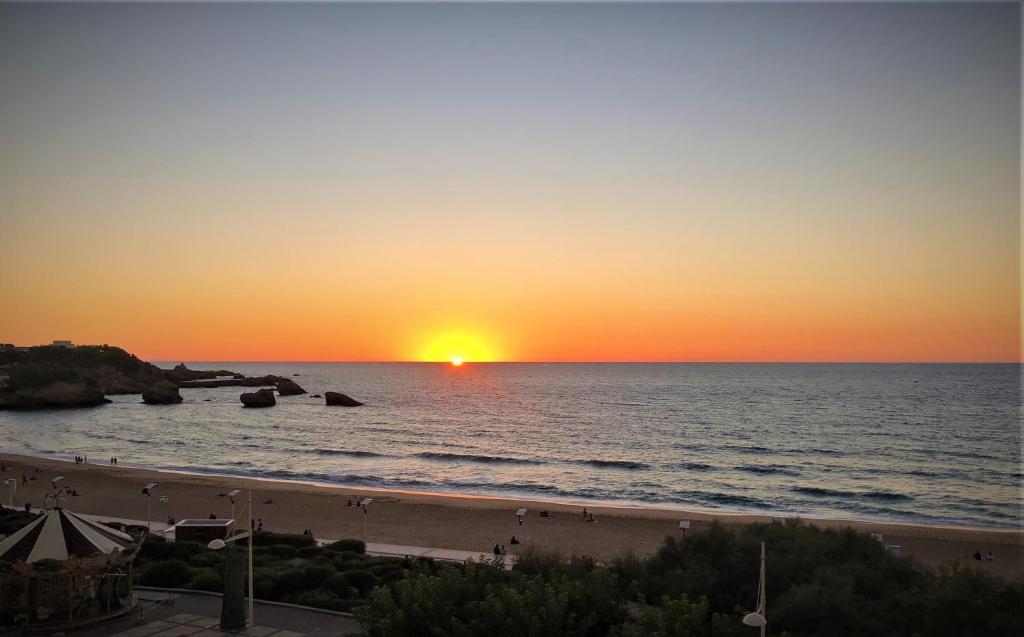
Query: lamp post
{"x": 363, "y": 504}
{"x": 219, "y": 544}
{"x": 758, "y": 618}
{"x": 12, "y": 484}
{"x": 55, "y": 495}
{"x": 231, "y": 496}
{"x": 148, "y": 492}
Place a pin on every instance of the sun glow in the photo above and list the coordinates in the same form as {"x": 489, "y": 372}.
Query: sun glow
{"x": 457, "y": 347}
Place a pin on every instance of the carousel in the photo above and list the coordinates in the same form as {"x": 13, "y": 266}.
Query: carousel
{"x": 63, "y": 571}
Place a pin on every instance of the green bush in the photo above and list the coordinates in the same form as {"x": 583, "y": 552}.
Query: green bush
{"x": 158, "y": 549}
{"x": 319, "y": 598}
{"x": 264, "y": 586}
{"x": 289, "y": 581}
{"x": 207, "y": 559}
{"x": 821, "y": 583}
{"x": 340, "y": 586}
{"x": 310, "y": 552}
{"x": 12, "y": 520}
{"x": 315, "y": 575}
{"x": 209, "y": 580}
{"x": 166, "y": 574}
{"x": 284, "y": 551}
{"x": 363, "y": 581}
{"x": 348, "y": 545}
{"x": 266, "y": 538}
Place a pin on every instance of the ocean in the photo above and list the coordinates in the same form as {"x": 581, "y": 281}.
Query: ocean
{"x": 902, "y": 442}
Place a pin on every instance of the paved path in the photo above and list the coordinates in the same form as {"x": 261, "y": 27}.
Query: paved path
{"x": 197, "y": 615}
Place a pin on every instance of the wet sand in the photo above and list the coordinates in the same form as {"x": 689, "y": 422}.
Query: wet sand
{"x": 452, "y": 521}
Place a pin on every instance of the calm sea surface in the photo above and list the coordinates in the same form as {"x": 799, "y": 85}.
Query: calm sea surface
{"x": 933, "y": 443}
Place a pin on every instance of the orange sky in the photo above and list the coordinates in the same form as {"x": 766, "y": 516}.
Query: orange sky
{"x": 347, "y": 183}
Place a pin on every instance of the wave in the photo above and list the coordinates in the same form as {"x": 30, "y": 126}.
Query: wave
{"x": 885, "y": 496}
{"x": 730, "y": 499}
{"x": 823, "y": 493}
{"x": 346, "y": 452}
{"x": 696, "y": 466}
{"x": 768, "y": 470}
{"x": 437, "y": 455}
{"x": 745, "y": 448}
{"x": 617, "y": 464}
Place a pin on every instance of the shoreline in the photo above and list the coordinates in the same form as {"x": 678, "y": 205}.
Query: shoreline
{"x": 723, "y": 514}
{"x": 461, "y": 522}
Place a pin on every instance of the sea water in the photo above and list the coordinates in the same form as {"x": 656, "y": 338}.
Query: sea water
{"x": 902, "y": 442}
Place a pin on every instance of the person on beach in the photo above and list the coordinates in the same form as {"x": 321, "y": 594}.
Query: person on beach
{"x": 259, "y": 525}
{"x": 24, "y": 480}
{"x": 977, "y": 555}
{"x": 503, "y": 549}
{"x": 497, "y": 550}
{"x": 513, "y": 540}
{"x": 584, "y": 514}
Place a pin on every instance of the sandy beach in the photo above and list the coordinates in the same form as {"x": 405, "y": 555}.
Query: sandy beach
{"x": 452, "y": 521}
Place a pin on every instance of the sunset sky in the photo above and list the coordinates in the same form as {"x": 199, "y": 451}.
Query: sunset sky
{"x": 513, "y": 182}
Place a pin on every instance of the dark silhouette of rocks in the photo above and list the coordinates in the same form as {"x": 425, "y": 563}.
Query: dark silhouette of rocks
{"x": 183, "y": 373}
{"x": 163, "y": 393}
{"x": 56, "y": 395}
{"x": 259, "y": 398}
{"x": 316, "y": 396}
{"x": 53, "y": 376}
{"x": 341, "y": 400}
{"x": 235, "y": 381}
{"x": 287, "y": 387}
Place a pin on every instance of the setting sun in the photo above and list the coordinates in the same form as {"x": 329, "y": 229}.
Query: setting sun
{"x": 458, "y": 346}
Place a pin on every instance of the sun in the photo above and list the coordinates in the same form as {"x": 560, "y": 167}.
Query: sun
{"x": 457, "y": 346}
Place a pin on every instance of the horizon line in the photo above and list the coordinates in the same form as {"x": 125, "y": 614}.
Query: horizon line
{"x": 609, "y": 362}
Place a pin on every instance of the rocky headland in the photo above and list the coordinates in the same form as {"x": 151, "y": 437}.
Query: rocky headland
{"x": 51, "y": 377}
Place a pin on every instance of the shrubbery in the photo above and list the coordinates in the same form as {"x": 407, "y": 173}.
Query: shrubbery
{"x": 166, "y": 574}
{"x": 12, "y": 520}
{"x": 288, "y": 568}
{"x": 348, "y": 545}
{"x": 820, "y": 583}
{"x": 266, "y": 538}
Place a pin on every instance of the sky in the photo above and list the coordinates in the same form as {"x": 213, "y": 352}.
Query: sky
{"x": 522, "y": 182}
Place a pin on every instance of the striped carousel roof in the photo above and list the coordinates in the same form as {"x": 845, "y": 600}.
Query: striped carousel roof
{"x": 60, "y": 534}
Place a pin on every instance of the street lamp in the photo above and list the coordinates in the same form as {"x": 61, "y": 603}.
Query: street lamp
{"x": 148, "y": 492}
{"x": 363, "y": 504}
{"x": 12, "y": 483}
{"x": 758, "y": 618}
{"x": 231, "y": 496}
{"x": 55, "y": 494}
{"x": 218, "y": 544}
